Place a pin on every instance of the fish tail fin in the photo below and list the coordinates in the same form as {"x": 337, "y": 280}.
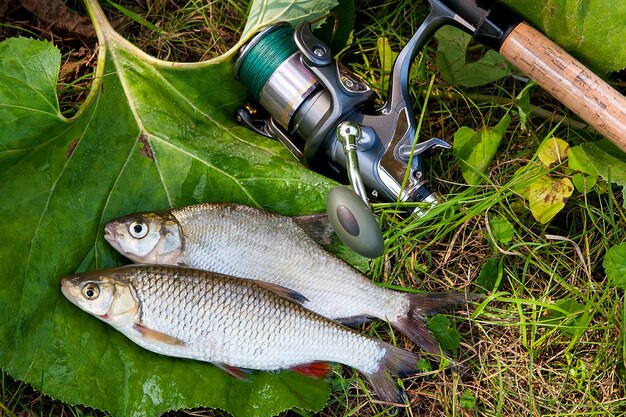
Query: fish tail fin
{"x": 413, "y": 324}
{"x": 397, "y": 362}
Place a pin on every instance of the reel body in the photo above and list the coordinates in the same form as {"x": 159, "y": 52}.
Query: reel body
{"x": 308, "y": 94}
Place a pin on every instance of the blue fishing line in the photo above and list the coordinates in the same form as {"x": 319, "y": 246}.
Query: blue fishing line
{"x": 265, "y": 57}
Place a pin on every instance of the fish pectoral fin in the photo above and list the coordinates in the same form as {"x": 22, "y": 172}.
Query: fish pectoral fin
{"x": 238, "y": 373}
{"x": 317, "y": 226}
{"x": 353, "y": 320}
{"x": 314, "y": 369}
{"x": 157, "y": 336}
{"x": 282, "y": 291}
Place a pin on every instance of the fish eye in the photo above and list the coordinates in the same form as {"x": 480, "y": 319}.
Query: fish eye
{"x": 91, "y": 291}
{"x": 138, "y": 230}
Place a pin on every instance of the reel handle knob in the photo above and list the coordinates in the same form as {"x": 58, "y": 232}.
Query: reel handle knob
{"x": 353, "y": 221}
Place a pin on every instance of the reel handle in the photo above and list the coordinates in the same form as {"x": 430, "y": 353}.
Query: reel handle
{"x": 354, "y": 222}
{"x": 348, "y": 211}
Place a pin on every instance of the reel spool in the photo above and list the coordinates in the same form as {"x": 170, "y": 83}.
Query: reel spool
{"x": 293, "y": 77}
{"x": 270, "y": 67}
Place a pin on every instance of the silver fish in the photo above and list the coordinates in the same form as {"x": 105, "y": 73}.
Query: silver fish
{"x": 250, "y": 243}
{"x": 233, "y": 323}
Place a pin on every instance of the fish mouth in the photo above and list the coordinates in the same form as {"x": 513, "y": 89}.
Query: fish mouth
{"x": 64, "y": 287}
{"x": 67, "y": 288}
{"x": 110, "y": 235}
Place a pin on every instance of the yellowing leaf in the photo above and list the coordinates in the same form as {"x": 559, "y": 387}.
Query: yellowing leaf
{"x": 548, "y": 196}
{"x": 552, "y": 151}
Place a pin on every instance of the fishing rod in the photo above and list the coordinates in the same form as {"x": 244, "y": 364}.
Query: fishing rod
{"x": 326, "y": 116}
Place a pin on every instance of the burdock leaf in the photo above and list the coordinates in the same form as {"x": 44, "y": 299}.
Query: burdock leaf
{"x": 151, "y": 135}
{"x": 264, "y": 13}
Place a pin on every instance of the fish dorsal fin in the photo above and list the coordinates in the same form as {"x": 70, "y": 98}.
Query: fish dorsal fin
{"x": 317, "y": 226}
{"x": 157, "y": 336}
{"x": 282, "y": 291}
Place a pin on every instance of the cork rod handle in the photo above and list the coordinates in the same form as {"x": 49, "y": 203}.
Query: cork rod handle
{"x": 569, "y": 81}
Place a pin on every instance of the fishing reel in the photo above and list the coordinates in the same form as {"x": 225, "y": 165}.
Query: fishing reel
{"x": 326, "y": 116}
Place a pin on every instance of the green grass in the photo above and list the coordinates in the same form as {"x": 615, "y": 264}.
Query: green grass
{"x": 547, "y": 339}
{"x": 192, "y": 30}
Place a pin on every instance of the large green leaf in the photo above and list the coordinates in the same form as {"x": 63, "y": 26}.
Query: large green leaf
{"x": 151, "y": 135}
{"x": 593, "y": 31}
{"x": 264, "y": 12}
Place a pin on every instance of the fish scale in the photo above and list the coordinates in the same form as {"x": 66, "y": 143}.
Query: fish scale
{"x": 214, "y": 316}
{"x": 332, "y": 287}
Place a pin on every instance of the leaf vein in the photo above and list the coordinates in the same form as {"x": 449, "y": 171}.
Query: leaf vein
{"x": 110, "y": 193}
{"x": 206, "y": 115}
{"x": 38, "y": 92}
{"x": 158, "y": 168}
{"x": 43, "y": 215}
{"x": 213, "y": 167}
